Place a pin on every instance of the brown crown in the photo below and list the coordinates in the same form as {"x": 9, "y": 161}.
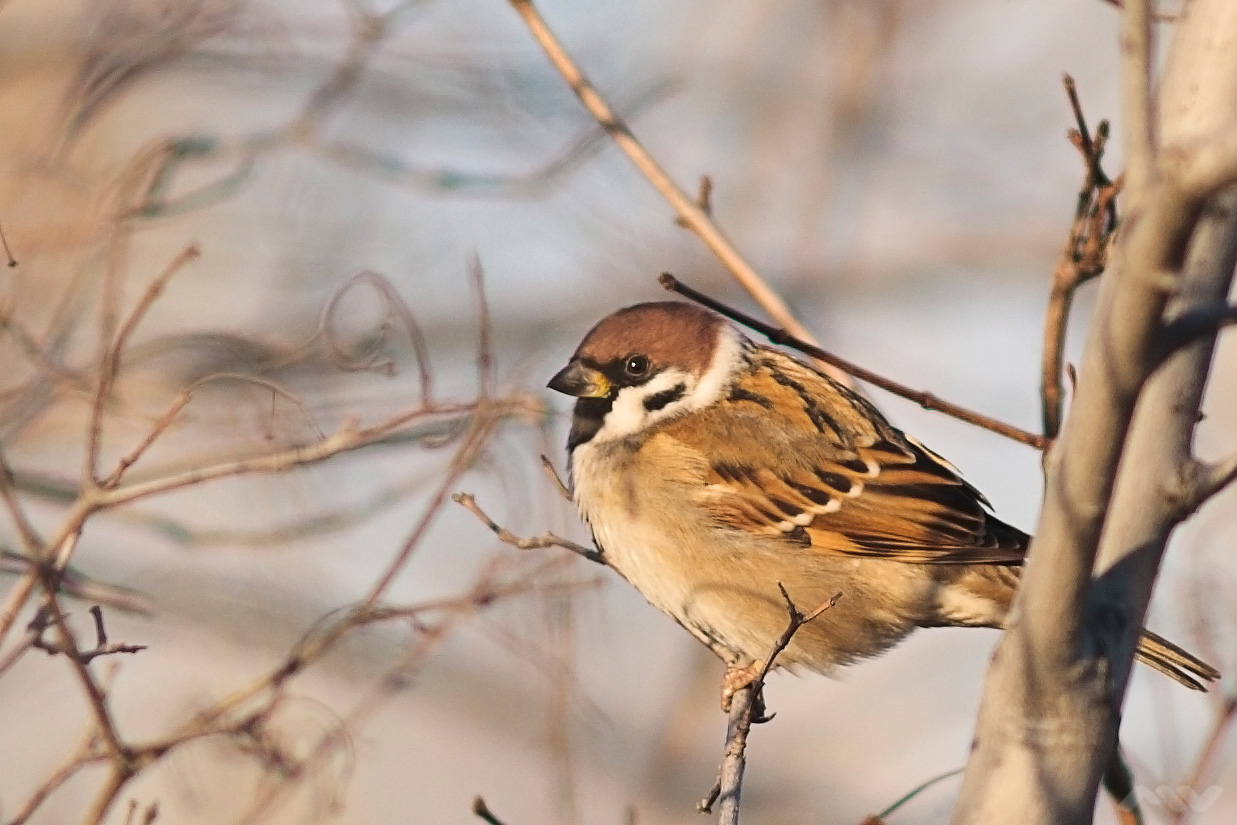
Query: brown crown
{"x": 669, "y": 333}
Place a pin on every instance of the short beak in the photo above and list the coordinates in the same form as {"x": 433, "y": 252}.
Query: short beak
{"x": 580, "y": 381}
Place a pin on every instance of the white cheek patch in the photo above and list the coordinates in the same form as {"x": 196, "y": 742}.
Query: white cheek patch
{"x": 628, "y": 415}
{"x": 728, "y": 357}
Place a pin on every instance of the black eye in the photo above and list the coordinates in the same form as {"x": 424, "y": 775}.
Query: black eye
{"x": 636, "y": 365}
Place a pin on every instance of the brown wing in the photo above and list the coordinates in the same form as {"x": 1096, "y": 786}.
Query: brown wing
{"x": 794, "y": 454}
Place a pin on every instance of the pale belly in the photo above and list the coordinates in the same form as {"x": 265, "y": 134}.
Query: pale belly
{"x": 722, "y": 585}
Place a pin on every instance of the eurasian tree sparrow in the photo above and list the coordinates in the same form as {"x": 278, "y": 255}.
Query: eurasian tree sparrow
{"x": 712, "y": 469}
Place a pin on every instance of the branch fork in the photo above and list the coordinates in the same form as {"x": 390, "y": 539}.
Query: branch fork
{"x": 747, "y": 708}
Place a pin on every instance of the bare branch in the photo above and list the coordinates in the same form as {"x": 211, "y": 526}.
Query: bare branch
{"x": 8, "y": 253}
{"x": 84, "y": 757}
{"x": 1194, "y": 324}
{"x": 42, "y": 621}
{"x": 747, "y": 709}
{"x": 1052, "y": 702}
{"x": 548, "y": 466}
{"x": 54, "y": 616}
{"x": 1204, "y": 166}
{"x": 8, "y": 493}
{"x": 1084, "y": 257}
{"x": 485, "y": 355}
{"x": 690, "y": 214}
{"x": 483, "y": 812}
{"x": 130, "y": 458}
{"x": 1136, "y": 100}
{"x": 109, "y": 359}
{"x": 395, "y": 307}
{"x": 924, "y": 399}
{"x": 344, "y": 439}
{"x": 546, "y": 539}
{"x": 1198, "y": 481}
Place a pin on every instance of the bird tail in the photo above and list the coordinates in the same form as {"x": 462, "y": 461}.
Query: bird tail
{"x": 1174, "y": 662}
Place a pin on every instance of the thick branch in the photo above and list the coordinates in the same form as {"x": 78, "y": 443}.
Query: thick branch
{"x": 1048, "y": 722}
{"x": 1198, "y": 322}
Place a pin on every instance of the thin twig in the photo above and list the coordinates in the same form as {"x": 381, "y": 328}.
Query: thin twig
{"x": 14, "y": 654}
{"x": 562, "y": 488}
{"x": 85, "y": 756}
{"x": 7, "y": 252}
{"x": 485, "y": 354}
{"x": 485, "y": 591}
{"x": 546, "y": 539}
{"x": 8, "y": 493}
{"x": 482, "y": 811}
{"x": 116, "y": 780}
{"x": 924, "y": 399}
{"x": 1209, "y": 754}
{"x": 916, "y": 791}
{"x": 1084, "y": 257}
{"x": 345, "y": 439}
{"x": 394, "y": 306}
{"x": 747, "y": 709}
{"x": 130, "y": 458}
{"x": 112, "y": 350}
{"x": 152, "y": 293}
{"x": 690, "y": 214}
{"x": 101, "y": 648}
{"x": 67, "y": 645}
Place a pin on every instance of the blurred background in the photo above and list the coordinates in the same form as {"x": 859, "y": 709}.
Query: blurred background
{"x": 897, "y": 170}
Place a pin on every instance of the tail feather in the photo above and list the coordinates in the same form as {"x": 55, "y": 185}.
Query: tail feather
{"x": 1174, "y": 662}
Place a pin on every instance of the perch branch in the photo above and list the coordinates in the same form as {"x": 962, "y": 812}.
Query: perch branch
{"x": 924, "y": 399}
{"x": 746, "y": 710}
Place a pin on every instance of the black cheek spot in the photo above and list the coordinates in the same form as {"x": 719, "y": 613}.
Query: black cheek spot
{"x": 660, "y": 400}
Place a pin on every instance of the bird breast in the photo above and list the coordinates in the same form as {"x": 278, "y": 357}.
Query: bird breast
{"x": 647, "y": 506}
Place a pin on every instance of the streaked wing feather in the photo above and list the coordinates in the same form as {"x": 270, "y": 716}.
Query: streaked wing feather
{"x": 876, "y": 494}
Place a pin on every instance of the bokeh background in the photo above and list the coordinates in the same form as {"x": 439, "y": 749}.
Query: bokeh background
{"x": 897, "y": 170}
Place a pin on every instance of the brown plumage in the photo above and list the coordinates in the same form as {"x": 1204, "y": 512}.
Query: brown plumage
{"x": 712, "y": 469}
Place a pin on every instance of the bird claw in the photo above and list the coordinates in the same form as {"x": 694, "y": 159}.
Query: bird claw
{"x": 735, "y": 679}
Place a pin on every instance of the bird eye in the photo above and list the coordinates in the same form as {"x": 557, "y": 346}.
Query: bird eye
{"x": 636, "y": 365}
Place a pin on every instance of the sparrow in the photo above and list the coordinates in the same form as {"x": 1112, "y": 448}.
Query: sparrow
{"x": 714, "y": 471}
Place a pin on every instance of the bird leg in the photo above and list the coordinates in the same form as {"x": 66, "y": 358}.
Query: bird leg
{"x": 736, "y": 678}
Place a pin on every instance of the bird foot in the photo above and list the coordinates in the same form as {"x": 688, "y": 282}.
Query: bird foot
{"x": 735, "y": 679}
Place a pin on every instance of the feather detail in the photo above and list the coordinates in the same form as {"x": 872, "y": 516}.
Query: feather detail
{"x": 855, "y": 485}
